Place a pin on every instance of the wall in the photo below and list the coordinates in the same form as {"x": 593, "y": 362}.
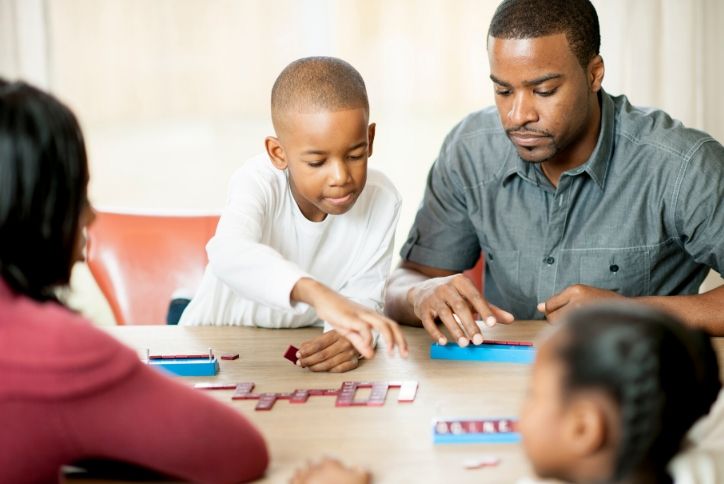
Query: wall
{"x": 173, "y": 94}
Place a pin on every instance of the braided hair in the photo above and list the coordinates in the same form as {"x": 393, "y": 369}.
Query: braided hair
{"x": 662, "y": 375}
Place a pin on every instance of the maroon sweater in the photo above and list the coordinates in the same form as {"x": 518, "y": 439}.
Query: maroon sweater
{"x": 70, "y": 392}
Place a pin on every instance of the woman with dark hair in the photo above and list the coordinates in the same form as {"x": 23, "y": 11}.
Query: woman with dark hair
{"x": 69, "y": 392}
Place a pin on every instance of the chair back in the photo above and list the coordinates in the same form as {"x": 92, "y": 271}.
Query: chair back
{"x": 140, "y": 260}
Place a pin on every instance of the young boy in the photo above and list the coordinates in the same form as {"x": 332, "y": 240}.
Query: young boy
{"x": 307, "y": 232}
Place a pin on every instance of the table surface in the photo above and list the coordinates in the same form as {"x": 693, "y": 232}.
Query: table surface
{"x": 394, "y": 441}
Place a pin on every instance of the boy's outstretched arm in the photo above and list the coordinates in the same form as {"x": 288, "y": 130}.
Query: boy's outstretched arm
{"x": 353, "y": 321}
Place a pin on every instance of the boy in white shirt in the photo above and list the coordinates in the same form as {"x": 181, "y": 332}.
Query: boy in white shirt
{"x": 307, "y": 233}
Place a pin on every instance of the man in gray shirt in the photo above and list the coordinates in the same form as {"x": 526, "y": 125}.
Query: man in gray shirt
{"x": 571, "y": 194}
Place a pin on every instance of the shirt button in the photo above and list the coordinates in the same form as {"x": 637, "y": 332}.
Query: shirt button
{"x": 614, "y": 268}
{"x": 549, "y": 260}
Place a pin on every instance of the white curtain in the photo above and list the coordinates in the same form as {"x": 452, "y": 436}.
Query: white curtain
{"x": 668, "y": 54}
{"x": 23, "y": 46}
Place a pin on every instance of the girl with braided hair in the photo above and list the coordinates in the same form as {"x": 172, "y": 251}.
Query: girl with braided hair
{"x": 614, "y": 391}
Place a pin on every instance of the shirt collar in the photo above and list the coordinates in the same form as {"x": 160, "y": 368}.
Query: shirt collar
{"x": 597, "y": 164}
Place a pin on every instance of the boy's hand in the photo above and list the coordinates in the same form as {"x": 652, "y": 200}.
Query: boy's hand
{"x": 353, "y": 321}
{"x": 330, "y": 471}
{"x": 329, "y": 352}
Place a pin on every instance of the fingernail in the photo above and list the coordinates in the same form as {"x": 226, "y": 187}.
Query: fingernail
{"x": 541, "y": 307}
{"x": 442, "y": 341}
{"x": 490, "y": 321}
{"x": 463, "y": 342}
{"x": 299, "y": 354}
{"x": 477, "y": 339}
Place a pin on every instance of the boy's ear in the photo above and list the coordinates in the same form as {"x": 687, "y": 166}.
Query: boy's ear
{"x": 276, "y": 152}
{"x": 370, "y": 138}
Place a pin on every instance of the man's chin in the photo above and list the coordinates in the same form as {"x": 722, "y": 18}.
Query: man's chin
{"x": 534, "y": 156}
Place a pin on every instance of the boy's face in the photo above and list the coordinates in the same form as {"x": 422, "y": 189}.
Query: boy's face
{"x": 326, "y": 155}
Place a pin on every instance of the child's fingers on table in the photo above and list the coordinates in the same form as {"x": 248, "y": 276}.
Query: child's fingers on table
{"x": 339, "y": 346}
{"x": 345, "y": 366}
{"x": 348, "y": 358}
{"x": 317, "y": 344}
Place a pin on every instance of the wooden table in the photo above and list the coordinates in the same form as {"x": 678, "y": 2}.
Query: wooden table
{"x": 395, "y": 440}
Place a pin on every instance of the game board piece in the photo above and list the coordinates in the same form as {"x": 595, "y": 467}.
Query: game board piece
{"x": 408, "y": 390}
{"x": 266, "y": 401}
{"x": 345, "y": 394}
{"x": 230, "y": 356}
{"x": 509, "y": 343}
{"x": 291, "y": 354}
{"x": 215, "y": 386}
{"x": 481, "y": 462}
{"x": 345, "y": 397}
{"x": 499, "y": 353}
{"x": 179, "y": 357}
{"x": 203, "y": 366}
{"x": 458, "y": 431}
{"x": 299, "y": 396}
{"x": 378, "y": 394}
{"x": 243, "y": 390}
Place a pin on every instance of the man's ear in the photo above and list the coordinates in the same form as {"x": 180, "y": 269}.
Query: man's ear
{"x": 276, "y": 152}
{"x": 370, "y": 138}
{"x": 596, "y": 71}
{"x": 585, "y": 427}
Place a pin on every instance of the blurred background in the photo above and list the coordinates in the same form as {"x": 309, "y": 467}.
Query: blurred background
{"x": 173, "y": 95}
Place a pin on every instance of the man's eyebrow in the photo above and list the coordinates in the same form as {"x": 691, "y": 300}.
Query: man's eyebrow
{"x": 532, "y": 82}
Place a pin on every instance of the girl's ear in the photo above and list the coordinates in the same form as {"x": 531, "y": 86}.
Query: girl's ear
{"x": 586, "y": 426}
{"x": 276, "y": 152}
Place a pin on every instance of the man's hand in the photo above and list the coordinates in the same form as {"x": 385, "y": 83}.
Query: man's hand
{"x": 573, "y": 297}
{"x": 328, "y": 352}
{"x": 451, "y": 296}
{"x": 353, "y": 321}
{"x": 330, "y": 471}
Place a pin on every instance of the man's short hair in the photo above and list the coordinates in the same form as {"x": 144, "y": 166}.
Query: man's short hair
{"x": 318, "y": 83}
{"x": 527, "y": 19}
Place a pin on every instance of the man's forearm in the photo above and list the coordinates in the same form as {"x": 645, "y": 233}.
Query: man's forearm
{"x": 397, "y": 306}
{"x": 704, "y": 311}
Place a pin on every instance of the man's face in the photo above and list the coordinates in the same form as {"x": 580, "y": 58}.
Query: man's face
{"x": 326, "y": 154}
{"x": 542, "y": 93}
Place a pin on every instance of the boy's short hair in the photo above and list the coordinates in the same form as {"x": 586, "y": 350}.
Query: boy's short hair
{"x": 317, "y": 83}
{"x": 529, "y": 19}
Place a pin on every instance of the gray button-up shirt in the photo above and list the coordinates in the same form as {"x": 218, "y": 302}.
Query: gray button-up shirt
{"x": 643, "y": 216}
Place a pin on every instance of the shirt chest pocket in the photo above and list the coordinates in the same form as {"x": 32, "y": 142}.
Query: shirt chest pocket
{"x": 625, "y": 271}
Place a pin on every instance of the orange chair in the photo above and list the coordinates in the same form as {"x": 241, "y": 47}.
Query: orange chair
{"x": 477, "y": 273}
{"x": 140, "y": 260}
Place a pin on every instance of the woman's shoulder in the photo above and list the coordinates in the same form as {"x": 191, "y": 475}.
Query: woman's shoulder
{"x": 47, "y": 350}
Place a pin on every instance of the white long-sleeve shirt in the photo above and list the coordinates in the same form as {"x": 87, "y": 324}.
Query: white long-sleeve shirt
{"x": 264, "y": 245}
